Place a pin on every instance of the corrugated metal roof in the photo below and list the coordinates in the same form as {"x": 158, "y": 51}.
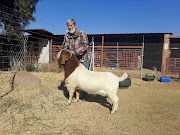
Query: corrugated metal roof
{"x": 131, "y": 33}
{"x": 38, "y": 30}
{"x": 43, "y": 30}
{"x": 125, "y": 33}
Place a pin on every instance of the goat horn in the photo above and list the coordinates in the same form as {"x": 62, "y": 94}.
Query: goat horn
{"x": 59, "y": 53}
{"x": 70, "y": 53}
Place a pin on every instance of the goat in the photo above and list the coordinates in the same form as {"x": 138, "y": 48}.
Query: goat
{"x": 78, "y": 78}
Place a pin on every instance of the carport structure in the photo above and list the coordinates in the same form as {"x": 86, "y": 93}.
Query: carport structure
{"x": 125, "y": 50}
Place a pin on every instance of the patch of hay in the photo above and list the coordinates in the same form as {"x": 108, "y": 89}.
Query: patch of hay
{"x": 150, "y": 108}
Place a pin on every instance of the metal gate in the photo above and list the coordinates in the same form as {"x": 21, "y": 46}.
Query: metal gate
{"x": 125, "y": 57}
{"x": 173, "y": 66}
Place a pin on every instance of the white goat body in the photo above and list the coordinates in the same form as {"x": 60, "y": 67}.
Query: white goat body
{"x": 101, "y": 83}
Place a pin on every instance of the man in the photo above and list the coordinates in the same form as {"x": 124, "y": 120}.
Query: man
{"x": 77, "y": 41}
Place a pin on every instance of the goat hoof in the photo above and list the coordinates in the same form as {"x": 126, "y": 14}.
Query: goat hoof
{"x": 75, "y": 101}
{"x": 113, "y": 111}
{"x": 67, "y": 104}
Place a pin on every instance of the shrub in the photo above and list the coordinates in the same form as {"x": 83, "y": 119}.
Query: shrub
{"x": 51, "y": 68}
{"x": 31, "y": 68}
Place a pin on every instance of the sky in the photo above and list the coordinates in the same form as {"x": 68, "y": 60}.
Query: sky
{"x": 109, "y": 16}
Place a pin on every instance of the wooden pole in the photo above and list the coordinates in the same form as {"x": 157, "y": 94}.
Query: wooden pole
{"x": 102, "y": 51}
{"x": 50, "y": 52}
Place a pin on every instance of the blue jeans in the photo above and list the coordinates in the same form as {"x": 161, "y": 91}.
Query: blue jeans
{"x": 86, "y": 65}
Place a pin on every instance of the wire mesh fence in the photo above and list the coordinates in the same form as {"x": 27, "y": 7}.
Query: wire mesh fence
{"x": 30, "y": 54}
{"x": 35, "y": 49}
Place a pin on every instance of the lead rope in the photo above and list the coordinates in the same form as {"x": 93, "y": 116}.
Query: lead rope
{"x": 11, "y": 89}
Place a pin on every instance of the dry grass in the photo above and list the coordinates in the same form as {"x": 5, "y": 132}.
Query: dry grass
{"x": 145, "y": 108}
{"x": 50, "y": 68}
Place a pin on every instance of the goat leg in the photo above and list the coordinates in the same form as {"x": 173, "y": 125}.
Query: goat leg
{"x": 77, "y": 95}
{"x": 71, "y": 93}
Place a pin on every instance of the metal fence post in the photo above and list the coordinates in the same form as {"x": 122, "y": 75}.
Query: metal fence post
{"x": 117, "y": 55}
{"x": 93, "y": 54}
{"x": 142, "y": 55}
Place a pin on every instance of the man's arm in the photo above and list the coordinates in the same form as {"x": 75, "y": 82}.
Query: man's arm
{"x": 64, "y": 45}
{"x": 84, "y": 42}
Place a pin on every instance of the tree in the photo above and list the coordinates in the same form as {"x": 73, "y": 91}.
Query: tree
{"x": 15, "y": 15}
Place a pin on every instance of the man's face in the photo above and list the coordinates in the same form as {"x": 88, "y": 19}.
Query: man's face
{"x": 71, "y": 26}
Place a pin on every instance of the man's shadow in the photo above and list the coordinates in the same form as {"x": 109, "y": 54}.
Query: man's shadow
{"x": 87, "y": 97}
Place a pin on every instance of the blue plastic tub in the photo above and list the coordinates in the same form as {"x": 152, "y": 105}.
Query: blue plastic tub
{"x": 165, "y": 79}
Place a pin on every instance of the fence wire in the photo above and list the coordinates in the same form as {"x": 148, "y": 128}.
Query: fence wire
{"x": 36, "y": 51}
{"x": 111, "y": 55}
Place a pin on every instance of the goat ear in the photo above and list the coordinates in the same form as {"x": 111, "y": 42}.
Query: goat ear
{"x": 59, "y": 60}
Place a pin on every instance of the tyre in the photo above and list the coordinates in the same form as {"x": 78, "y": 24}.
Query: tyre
{"x": 125, "y": 84}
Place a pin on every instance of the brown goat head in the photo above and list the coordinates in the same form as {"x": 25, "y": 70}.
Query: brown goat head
{"x": 63, "y": 56}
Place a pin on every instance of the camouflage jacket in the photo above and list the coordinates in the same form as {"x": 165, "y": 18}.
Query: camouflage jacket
{"x": 77, "y": 42}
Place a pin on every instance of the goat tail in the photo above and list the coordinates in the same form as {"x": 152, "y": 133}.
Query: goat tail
{"x": 123, "y": 77}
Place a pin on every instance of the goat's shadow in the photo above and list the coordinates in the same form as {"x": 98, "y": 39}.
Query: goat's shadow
{"x": 64, "y": 89}
{"x": 87, "y": 97}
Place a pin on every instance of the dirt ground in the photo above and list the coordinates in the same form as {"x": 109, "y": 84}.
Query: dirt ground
{"x": 145, "y": 108}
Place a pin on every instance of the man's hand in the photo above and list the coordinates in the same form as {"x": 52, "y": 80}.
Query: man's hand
{"x": 73, "y": 52}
